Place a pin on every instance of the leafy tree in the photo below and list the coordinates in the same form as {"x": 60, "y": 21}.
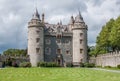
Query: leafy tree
{"x": 14, "y": 52}
{"x": 115, "y": 35}
{"x": 109, "y": 38}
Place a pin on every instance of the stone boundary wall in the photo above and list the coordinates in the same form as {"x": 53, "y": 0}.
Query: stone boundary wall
{"x": 17, "y": 59}
{"x": 109, "y": 59}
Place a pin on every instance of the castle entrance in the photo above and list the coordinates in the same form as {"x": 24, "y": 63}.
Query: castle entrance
{"x": 60, "y": 60}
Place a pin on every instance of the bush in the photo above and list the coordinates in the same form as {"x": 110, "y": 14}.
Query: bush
{"x": 25, "y": 64}
{"x": 118, "y": 66}
{"x": 69, "y": 64}
{"x": 107, "y": 67}
{"x": 89, "y": 65}
{"x": 82, "y": 65}
{"x": 14, "y": 64}
{"x": 47, "y": 64}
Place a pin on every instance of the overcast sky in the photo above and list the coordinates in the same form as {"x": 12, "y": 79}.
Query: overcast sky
{"x": 15, "y": 14}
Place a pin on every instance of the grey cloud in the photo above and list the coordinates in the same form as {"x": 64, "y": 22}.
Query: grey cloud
{"x": 15, "y": 15}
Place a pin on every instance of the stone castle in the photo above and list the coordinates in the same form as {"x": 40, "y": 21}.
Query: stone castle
{"x": 57, "y": 42}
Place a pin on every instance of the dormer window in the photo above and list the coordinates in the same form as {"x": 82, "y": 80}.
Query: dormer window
{"x": 59, "y": 36}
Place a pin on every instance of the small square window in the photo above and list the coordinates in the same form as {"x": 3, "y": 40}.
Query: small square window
{"x": 67, "y": 52}
{"x": 58, "y": 51}
{"x": 37, "y": 50}
{"x": 37, "y": 31}
{"x": 37, "y": 40}
{"x": 81, "y": 41}
{"x": 81, "y": 50}
{"x": 81, "y": 34}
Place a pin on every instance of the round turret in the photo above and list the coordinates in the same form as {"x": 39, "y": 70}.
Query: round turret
{"x": 35, "y": 39}
{"x": 79, "y": 30}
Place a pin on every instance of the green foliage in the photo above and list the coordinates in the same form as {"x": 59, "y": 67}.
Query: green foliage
{"x": 88, "y": 65}
{"x": 17, "y": 52}
{"x": 25, "y": 64}
{"x": 9, "y": 61}
{"x": 47, "y": 64}
{"x": 69, "y": 64}
{"x": 108, "y": 39}
{"x": 14, "y": 64}
{"x": 107, "y": 67}
{"x": 118, "y": 66}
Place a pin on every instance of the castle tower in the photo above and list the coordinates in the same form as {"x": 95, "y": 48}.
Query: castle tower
{"x": 36, "y": 39}
{"x": 79, "y": 30}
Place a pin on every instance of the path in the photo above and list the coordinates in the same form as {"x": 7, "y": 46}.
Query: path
{"x": 116, "y": 71}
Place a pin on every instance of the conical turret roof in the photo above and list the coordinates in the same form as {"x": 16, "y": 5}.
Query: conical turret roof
{"x": 36, "y": 14}
{"x": 79, "y": 18}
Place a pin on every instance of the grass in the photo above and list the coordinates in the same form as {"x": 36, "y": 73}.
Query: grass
{"x": 56, "y": 74}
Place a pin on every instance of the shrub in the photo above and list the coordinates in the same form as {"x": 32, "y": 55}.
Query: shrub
{"x": 107, "y": 66}
{"x": 25, "y": 64}
{"x": 89, "y": 65}
{"x": 47, "y": 64}
{"x": 82, "y": 65}
{"x": 69, "y": 64}
{"x": 14, "y": 64}
{"x": 118, "y": 66}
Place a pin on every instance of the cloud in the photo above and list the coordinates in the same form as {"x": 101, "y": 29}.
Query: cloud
{"x": 15, "y": 15}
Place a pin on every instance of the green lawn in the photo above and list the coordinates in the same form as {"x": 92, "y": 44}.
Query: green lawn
{"x": 56, "y": 74}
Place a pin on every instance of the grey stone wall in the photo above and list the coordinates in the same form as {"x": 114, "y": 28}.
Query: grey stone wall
{"x": 110, "y": 59}
{"x": 65, "y": 45}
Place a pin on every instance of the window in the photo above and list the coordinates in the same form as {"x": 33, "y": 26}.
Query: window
{"x": 47, "y": 41}
{"x": 58, "y": 51}
{"x": 37, "y": 50}
{"x": 81, "y": 50}
{"x": 67, "y": 42}
{"x": 81, "y": 34}
{"x": 81, "y": 41}
{"x": 59, "y": 36}
{"x": 37, "y": 40}
{"x": 67, "y": 52}
{"x": 58, "y": 41}
{"x": 47, "y": 50}
{"x": 37, "y": 31}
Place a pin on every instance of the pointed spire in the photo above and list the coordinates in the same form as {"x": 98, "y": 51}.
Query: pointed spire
{"x": 79, "y": 18}
{"x": 43, "y": 15}
{"x": 36, "y": 14}
{"x": 71, "y": 20}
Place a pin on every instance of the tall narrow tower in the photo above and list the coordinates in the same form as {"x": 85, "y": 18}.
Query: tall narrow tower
{"x": 36, "y": 39}
{"x": 79, "y": 41}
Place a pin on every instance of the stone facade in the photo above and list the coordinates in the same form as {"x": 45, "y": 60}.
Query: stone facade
{"x": 57, "y": 42}
{"x": 110, "y": 59}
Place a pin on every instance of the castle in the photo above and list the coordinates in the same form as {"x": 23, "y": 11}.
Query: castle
{"x": 57, "y": 42}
